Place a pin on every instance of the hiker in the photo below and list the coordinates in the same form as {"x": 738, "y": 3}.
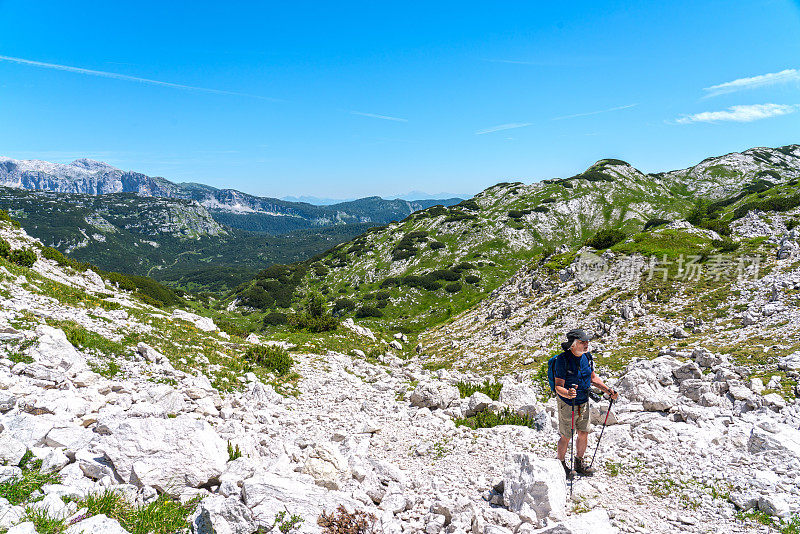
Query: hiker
{"x": 573, "y": 376}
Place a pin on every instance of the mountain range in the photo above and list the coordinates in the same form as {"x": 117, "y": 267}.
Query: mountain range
{"x": 227, "y": 206}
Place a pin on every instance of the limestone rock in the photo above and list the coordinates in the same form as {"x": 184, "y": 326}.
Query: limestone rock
{"x": 220, "y": 515}
{"x": 167, "y": 454}
{"x": 534, "y": 487}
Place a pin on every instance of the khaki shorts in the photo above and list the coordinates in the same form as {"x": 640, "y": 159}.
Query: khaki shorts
{"x": 565, "y": 417}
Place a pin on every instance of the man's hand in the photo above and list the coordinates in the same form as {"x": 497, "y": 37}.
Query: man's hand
{"x": 572, "y": 392}
{"x": 613, "y": 394}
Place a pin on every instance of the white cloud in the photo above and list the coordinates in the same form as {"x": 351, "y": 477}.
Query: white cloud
{"x": 754, "y": 82}
{"x": 740, "y": 113}
{"x": 374, "y": 116}
{"x": 125, "y": 77}
{"x": 501, "y": 127}
{"x": 594, "y": 112}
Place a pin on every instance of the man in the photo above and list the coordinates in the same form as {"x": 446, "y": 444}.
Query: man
{"x": 574, "y": 375}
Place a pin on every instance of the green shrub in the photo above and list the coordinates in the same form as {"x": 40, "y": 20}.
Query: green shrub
{"x": 274, "y": 318}
{"x": 391, "y": 281}
{"x": 464, "y": 266}
{"x": 435, "y": 245}
{"x": 606, "y": 238}
{"x": 5, "y": 248}
{"x": 402, "y": 254}
{"x": 269, "y": 357}
{"x": 470, "y": 205}
{"x": 444, "y": 274}
{"x": 652, "y": 223}
{"x": 343, "y": 305}
{"x": 23, "y": 257}
{"x": 492, "y": 389}
{"x": 516, "y": 214}
{"x": 472, "y": 279}
{"x": 792, "y": 223}
{"x": 541, "y": 209}
{"x": 453, "y": 287}
{"x": 437, "y": 210}
{"x": 231, "y": 328}
{"x": 418, "y": 234}
{"x": 302, "y": 321}
{"x": 314, "y": 316}
{"x": 368, "y": 311}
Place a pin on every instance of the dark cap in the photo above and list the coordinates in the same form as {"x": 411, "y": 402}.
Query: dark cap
{"x": 578, "y": 333}
{"x": 572, "y": 335}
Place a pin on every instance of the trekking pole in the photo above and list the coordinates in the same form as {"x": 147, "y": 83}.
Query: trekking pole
{"x": 572, "y": 447}
{"x": 610, "y": 404}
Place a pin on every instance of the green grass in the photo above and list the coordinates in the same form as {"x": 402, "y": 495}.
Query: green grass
{"x": 489, "y": 387}
{"x": 19, "y": 489}
{"x": 43, "y": 523}
{"x": 162, "y": 516}
{"x": 790, "y": 526}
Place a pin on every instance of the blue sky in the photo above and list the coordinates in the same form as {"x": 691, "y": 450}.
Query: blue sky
{"x": 353, "y": 99}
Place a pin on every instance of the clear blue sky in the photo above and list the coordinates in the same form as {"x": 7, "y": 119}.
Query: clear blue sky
{"x": 345, "y": 99}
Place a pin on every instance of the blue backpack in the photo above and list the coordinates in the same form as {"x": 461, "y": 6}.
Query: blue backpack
{"x": 551, "y": 368}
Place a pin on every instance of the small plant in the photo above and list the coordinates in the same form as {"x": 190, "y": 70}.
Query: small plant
{"x": 5, "y": 248}
{"x": 287, "y": 525}
{"x": 273, "y": 358}
{"x": 490, "y": 388}
{"x": 663, "y": 487}
{"x": 233, "y": 452}
{"x": 613, "y": 468}
{"x": 343, "y": 522}
{"x": 441, "y": 448}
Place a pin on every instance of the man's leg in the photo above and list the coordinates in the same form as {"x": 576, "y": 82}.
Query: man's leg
{"x": 563, "y": 443}
{"x": 582, "y": 440}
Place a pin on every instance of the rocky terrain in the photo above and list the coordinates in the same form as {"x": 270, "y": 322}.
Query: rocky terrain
{"x": 128, "y": 404}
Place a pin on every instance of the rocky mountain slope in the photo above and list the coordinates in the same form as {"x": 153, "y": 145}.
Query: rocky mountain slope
{"x": 438, "y": 262}
{"x": 227, "y": 206}
{"x": 119, "y": 417}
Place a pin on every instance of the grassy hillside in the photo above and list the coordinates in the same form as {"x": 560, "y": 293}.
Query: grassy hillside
{"x": 438, "y": 262}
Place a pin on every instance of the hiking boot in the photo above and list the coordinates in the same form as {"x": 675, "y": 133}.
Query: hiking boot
{"x": 569, "y": 472}
{"x": 583, "y": 469}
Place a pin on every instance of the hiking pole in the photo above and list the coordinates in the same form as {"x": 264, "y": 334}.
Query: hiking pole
{"x": 572, "y": 447}
{"x": 610, "y": 404}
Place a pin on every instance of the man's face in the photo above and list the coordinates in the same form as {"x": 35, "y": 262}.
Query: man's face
{"x": 579, "y": 347}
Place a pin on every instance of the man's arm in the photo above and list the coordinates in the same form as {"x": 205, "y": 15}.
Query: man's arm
{"x": 563, "y": 391}
{"x": 598, "y": 382}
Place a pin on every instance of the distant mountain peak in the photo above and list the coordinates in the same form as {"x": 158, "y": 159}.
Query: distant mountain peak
{"x": 91, "y": 165}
